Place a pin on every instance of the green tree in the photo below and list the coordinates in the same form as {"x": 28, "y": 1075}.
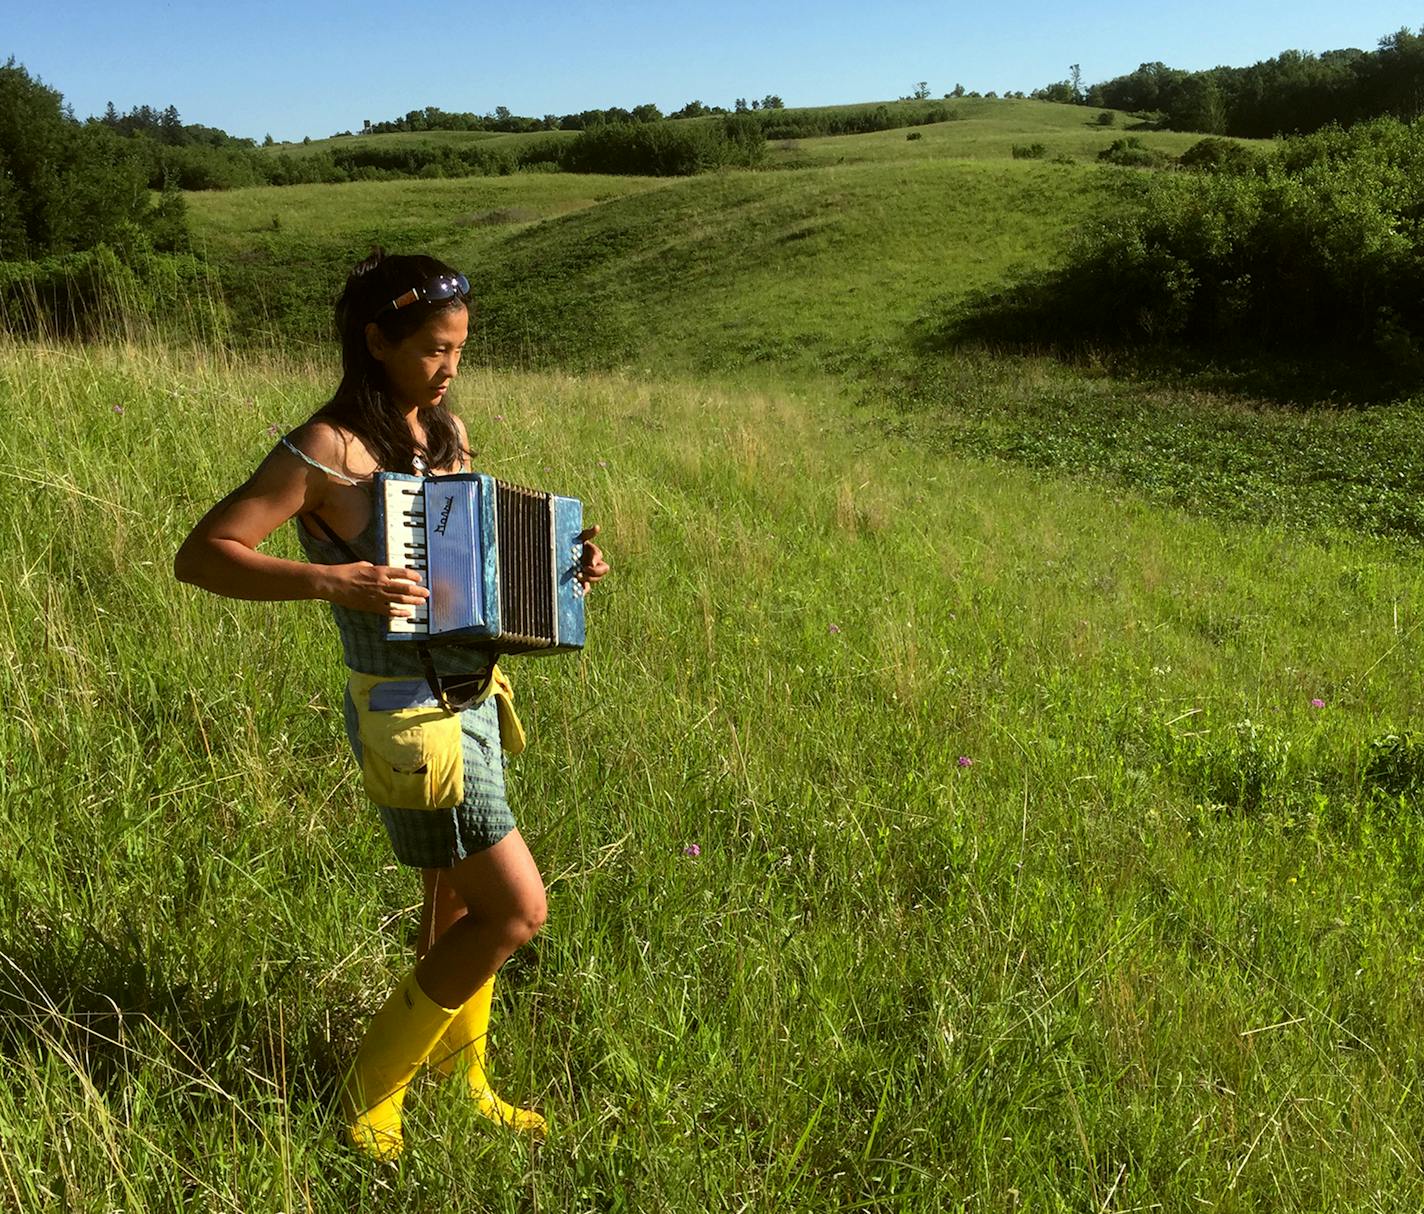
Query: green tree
{"x": 67, "y": 186}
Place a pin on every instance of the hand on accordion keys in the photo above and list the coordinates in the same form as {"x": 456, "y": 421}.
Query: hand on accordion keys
{"x": 387, "y": 590}
{"x": 592, "y": 566}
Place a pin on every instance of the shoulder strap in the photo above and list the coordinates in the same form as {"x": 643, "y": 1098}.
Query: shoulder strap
{"x": 317, "y": 464}
{"x": 345, "y": 549}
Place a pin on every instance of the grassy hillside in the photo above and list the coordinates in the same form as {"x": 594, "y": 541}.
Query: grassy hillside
{"x": 984, "y": 128}
{"x": 837, "y": 276}
{"x": 799, "y": 267}
{"x": 416, "y": 139}
{"x": 1057, "y": 850}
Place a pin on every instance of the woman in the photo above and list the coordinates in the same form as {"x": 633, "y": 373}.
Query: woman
{"x": 403, "y": 323}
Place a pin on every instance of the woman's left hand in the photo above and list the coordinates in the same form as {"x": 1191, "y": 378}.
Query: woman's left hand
{"x": 592, "y": 566}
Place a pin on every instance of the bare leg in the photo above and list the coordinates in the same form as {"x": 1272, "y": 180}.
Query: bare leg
{"x": 496, "y": 904}
{"x": 463, "y": 1049}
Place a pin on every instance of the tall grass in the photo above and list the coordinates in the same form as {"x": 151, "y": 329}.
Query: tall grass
{"x": 1029, "y": 875}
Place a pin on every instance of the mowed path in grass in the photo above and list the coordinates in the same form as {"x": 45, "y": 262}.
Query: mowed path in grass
{"x": 1029, "y": 874}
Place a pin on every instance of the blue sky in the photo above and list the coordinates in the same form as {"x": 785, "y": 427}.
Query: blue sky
{"x": 299, "y": 68}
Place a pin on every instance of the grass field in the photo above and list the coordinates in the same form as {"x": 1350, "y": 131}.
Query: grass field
{"x": 1152, "y": 939}
{"x": 1044, "y": 735}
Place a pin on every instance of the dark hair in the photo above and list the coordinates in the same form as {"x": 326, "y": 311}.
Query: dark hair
{"x": 361, "y": 403}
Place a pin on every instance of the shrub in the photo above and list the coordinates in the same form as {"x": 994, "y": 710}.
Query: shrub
{"x": 807, "y": 124}
{"x": 1244, "y": 766}
{"x": 913, "y": 135}
{"x": 1394, "y": 764}
{"x": 1131, "y": 152}
{"x": 1107, "y": 118}
{"x": 1216, "y": 155}
{"x": 1317, "y": 248}
{"x": 666, "y": 149}
{"x": 1029, "y": 151}
{"x": 109, "y": 290}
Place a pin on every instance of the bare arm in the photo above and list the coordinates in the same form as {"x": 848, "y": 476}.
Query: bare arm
{"x": 220, "y": 553}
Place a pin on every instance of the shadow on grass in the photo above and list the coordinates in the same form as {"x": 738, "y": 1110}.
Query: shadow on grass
{"x": 109, "y": 1011}
{"x": 1049, "y": 316}
{"x": 1295, "y": 441}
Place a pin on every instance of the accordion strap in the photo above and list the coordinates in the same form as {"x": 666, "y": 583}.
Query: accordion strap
{"x": 345, "y": 549}
{"x": 463, "y": 690}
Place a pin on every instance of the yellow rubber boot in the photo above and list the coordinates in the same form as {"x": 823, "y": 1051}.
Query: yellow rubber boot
{"x": 399, "y": 1039}
{"x": 463, "y": 1049}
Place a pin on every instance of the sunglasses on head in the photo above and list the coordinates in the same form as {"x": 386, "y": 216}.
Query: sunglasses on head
{"x": 441, "y": 287}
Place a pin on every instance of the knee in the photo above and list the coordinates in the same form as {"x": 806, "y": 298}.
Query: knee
{"x": 526, "y": 918}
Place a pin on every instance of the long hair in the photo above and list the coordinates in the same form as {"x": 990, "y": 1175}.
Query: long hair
{"x": 361, "y": 403}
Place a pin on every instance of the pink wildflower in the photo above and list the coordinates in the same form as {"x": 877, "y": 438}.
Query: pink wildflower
{"x": 964, "y": 761}
{"x": 692, "y": 850}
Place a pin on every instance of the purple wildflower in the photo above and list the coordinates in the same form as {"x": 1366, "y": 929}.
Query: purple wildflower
{"x": 833, "y": 628}
{"x": 964, "y": 761}
{"x": 119, "y": 409}
{"x": 1317, "y": 703}
{"x": 692, "y": 850}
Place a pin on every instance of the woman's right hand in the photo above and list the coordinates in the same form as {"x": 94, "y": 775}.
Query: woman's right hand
{"x": 387, "y": 590}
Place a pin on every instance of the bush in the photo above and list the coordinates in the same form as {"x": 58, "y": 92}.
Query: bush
{"x": 1131, "y": 152}
{"x": 110, "y": 290}
{"x": 666, "y": 149}
{"x": 1216, "y": 155}
{"x": 1244, "y": 767}
{"x": 807, "y": 124}
{"x": 1107, "y": 118}
{"x": 1395, "y": 764}
{"x": 1317, "y": 248}
{"x": 1029, "y": 151}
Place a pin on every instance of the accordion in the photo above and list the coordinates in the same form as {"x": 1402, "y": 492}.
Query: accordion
{"x": 500, "y": 561}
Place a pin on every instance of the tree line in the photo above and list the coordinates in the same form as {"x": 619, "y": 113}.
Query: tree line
{"x": 1295, "y": 92}
{"x": 501, "y": 121}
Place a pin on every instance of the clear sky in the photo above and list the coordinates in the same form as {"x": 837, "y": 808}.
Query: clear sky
{"x": 313, "y": 67}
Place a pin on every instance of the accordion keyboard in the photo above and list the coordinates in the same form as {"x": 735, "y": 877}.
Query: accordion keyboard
{"x": 404, "y": 515}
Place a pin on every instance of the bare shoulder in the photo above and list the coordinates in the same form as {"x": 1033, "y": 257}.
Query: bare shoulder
{"x": 466, "y": 454}
{"x": 332, "y": 446}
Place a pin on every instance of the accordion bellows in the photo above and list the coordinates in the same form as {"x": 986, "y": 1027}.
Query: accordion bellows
{"x": 501, "y": 561}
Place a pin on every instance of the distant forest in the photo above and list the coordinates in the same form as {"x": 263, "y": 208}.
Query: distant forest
{"x": 433, "y": 118}
{"x": 1294, "y": 93}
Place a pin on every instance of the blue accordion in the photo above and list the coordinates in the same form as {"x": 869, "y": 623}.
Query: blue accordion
{"x": 501, "y": 561}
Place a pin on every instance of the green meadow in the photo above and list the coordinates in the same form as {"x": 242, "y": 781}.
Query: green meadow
{"x": 991, "y": 784}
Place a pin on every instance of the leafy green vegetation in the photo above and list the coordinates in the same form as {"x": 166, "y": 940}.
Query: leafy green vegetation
{"x": 66, "y": 187}
{"x": 1314, "y": 247}
{"x": 1295, "y": 92}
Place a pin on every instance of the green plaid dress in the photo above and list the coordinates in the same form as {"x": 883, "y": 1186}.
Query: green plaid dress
{"x": 421, "y": 838}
